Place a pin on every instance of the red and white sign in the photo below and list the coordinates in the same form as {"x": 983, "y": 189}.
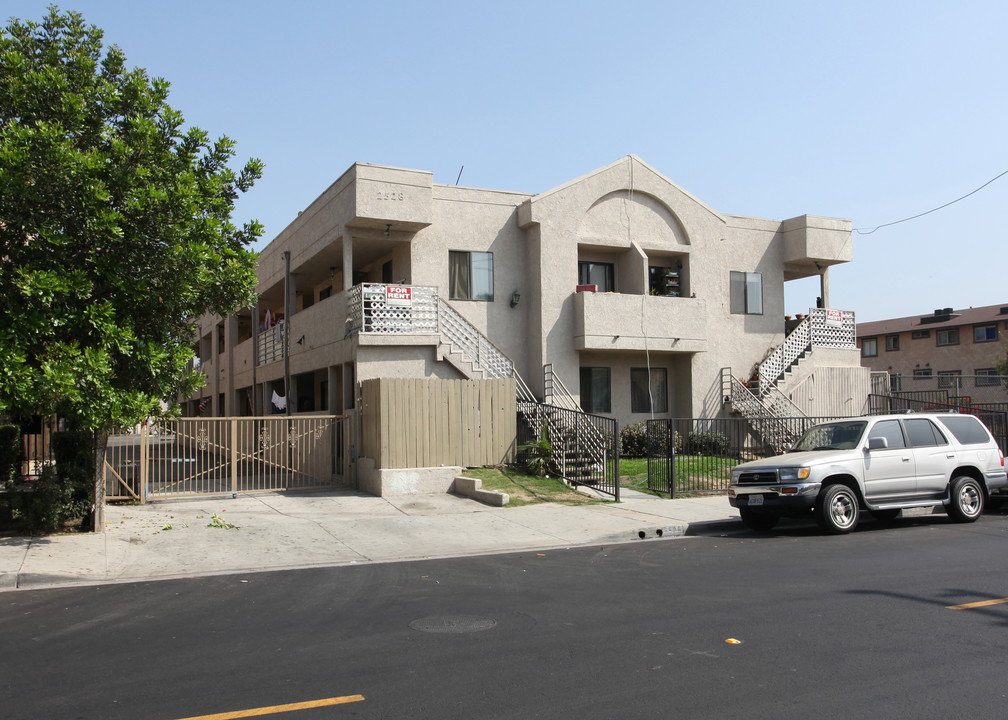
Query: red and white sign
{"x": 834, "y": 317}
{"x": 399, "y": 295}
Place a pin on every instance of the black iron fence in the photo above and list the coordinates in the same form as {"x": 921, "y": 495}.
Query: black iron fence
{"x": 580, "y": 447}
{"x": 694, "y": 455}
{"x": 993, "y": 414}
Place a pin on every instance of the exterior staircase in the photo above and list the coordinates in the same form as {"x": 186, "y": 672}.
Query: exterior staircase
{"x": 580, "y": 450}
{"x": 770, "y": 412}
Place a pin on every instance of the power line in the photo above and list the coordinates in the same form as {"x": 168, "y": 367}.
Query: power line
{"x": 865, "y": 231}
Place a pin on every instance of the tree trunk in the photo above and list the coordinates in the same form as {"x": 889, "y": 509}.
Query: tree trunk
{"x": 98, "y": 509}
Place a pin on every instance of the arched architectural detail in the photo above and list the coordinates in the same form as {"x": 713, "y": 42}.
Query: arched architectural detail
{"x": 619, "y": 215}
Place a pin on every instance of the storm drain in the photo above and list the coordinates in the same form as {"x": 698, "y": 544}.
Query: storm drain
{"x": 453, "y": 624}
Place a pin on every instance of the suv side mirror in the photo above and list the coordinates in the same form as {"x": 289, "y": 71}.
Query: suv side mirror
{"x": 877, "y": 443}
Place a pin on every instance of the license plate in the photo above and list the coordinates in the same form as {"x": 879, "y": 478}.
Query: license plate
{"x": 755, "y": 500}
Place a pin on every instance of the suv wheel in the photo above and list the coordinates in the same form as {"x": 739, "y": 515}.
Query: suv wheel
{"x": 967, "y": 500}
{"x": 758, "y": 521}
{"x": 837, "y": 509}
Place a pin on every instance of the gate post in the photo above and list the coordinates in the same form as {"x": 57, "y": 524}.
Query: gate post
{"x": 234, "y": 454}
{"x": 144, "y": 475}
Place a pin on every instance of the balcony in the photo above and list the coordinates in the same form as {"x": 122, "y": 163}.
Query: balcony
{"x": 612, "y": 321}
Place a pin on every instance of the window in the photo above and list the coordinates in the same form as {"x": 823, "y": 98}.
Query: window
{"x": 891, "y": 431}
{"x": 595, "y": 394}
{"x": 895, "y": 383}
{"x": 948, "y": 337}
{"x": 923, "y": 433}
{"x": 966, "y": 428}
{"x": 985, "y": 333}
{"x": 746, "y": 293}
{"x": 946, "y": 378}
{"x": 470, "y": 275}
{"x": 987, "y": 377}
{"x": 922, "y": 372}
{"x": 640, "y": 397}
{"x": 597, "y": 273}
{"x": 920, "y": 334}
{"x": 891, "y": 343}
{"x": 869, "y": 347}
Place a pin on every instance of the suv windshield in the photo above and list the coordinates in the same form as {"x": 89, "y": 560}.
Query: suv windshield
{"x": 831, "y": 436}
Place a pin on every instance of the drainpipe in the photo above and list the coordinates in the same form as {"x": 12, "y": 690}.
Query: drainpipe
{"x": 287, "y": 330}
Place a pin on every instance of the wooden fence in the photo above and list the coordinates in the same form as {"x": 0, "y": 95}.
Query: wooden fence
{"x": 409, "y": 423}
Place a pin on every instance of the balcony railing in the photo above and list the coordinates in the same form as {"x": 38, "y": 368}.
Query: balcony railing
{"x": 271, "y": 344}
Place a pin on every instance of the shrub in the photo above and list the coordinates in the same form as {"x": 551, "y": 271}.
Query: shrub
{"x": 49, "y": 504}
{"x": 707, "y": 443}
{"x": 537, "y": 456}
{"x": 633, "y": 440}
{"x": 63, "y": 492}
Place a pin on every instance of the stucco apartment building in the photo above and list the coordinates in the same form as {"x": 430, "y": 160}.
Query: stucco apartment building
{"x": 633, "y": 294}
{"x": 947, "y": 349}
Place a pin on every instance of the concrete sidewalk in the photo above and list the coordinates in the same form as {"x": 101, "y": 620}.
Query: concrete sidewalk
{"x": 276, "y": 531}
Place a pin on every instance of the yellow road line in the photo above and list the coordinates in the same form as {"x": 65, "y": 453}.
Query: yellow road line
{"x": 276, "y": 709}
{"x": 982, "y": 603}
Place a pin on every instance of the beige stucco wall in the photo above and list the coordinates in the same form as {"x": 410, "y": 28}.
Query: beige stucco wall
{"x": 626, "y": 213}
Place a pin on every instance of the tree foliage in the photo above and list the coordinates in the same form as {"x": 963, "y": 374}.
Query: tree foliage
{"x": 115, "y": 229}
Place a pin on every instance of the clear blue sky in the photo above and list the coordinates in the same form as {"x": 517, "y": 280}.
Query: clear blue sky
{"x": 866, "y": 110}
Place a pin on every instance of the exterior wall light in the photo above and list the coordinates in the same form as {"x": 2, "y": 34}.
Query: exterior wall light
{"x": 515, "y": 297}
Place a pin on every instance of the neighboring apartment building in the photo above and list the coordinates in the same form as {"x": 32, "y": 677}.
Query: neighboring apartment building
{"x": 953, "y": 350}
{"x": 635, "y": 293}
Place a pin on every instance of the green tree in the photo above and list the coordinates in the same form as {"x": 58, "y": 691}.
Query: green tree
{"x": 115, "y": 232}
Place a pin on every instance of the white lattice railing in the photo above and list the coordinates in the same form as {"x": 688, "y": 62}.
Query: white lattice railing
{"x": 821, "y": 328}
{"x": 392, "y": 309}
{"x": 403, "y": 309}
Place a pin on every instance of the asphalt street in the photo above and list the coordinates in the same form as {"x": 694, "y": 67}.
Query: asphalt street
{"x": 788, "y": 625}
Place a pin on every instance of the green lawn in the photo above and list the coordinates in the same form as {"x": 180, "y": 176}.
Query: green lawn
{"x": 694, "y": 473}
{"x": 528, "y": 489}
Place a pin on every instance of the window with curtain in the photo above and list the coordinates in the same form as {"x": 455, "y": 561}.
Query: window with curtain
{"x": 746, "y": 293}
{"x": 641, "y": 398}
{"x": 470, "y": 275}
{"x": 596, "y": 396}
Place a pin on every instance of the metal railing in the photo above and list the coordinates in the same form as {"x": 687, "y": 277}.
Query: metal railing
{"x": 201, "y": 456}
{"x": 472, "y": 344}
{"x": 270, "y": 344}
{"x": 767, "y": 417}
{"x": 696, "y": 455}
{"x": 571, "y": 433}
{"x": 993, "y": 415}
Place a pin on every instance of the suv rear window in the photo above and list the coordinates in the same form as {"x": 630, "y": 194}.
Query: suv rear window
{"x": 966, "y": 428}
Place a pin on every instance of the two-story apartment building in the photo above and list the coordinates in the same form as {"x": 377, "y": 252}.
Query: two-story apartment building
{"x": 953, "y": 350}
{"x": 633, "y": 292}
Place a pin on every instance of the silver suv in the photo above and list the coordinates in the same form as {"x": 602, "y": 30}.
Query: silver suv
{"x": 881, "y": 464}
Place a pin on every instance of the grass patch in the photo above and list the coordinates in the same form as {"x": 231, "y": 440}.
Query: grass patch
{"x": 525, "y": 489}
{"x": 695, "y": 474}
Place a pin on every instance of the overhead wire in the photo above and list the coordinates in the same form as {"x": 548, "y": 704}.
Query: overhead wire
{"x": 866, "y": 231}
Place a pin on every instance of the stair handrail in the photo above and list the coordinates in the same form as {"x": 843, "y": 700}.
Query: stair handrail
{"x": 558, "y": 391}
{"x": 766, "y": 421}
{"x": 473, "y": 344}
